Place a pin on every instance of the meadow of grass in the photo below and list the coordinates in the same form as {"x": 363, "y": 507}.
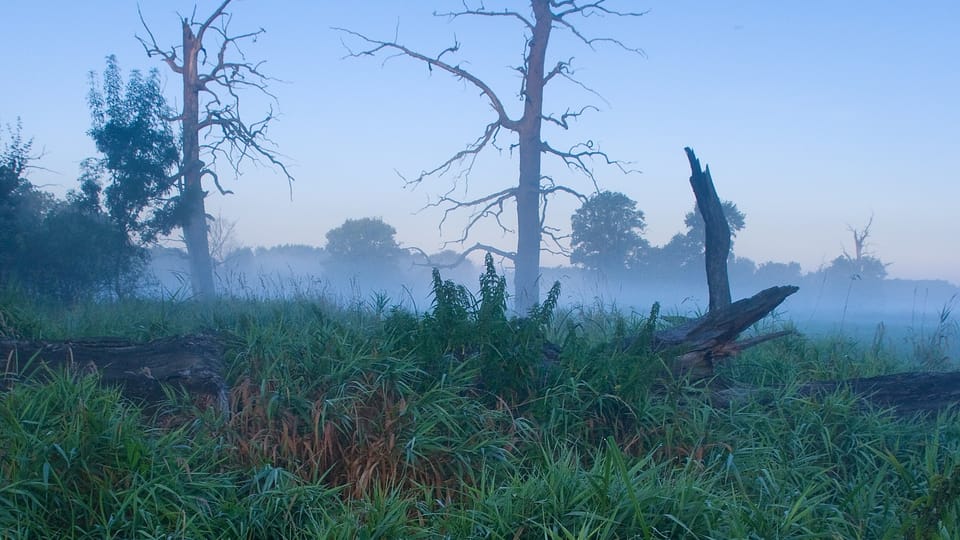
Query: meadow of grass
{"x": 370, "y": 421}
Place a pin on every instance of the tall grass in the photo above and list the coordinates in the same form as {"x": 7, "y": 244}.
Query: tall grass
{"x": 369, "y": 421}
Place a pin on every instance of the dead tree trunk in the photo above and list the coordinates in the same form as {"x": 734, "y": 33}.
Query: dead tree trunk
{"x": 211, "y": 107}
{"x": 717, "y": 236}
{"x": 195, "y": 219}
{"x": 193, "y": 363}
{"x": 533, "y": 189}
{"x": 701, "y": 342}
{"x": 527, "y": 262}
{"x": 906, "y": 393}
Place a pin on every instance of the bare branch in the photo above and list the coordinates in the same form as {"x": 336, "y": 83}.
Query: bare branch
{"x": 213, "y": 17}
{"x": 466, "y": 253}
{"x": 458, "y": 72}
{"x": 471, "y": 151}
{"x": 484, "y": 13}
{"x": 491, "y": 205}
{"x": 152, "y": 49}
{"x": 216, "y": 181}
{"x": 560, "y": 68}
{"x": 568, "y": 115}
{"x": 577, "y": 157}
{"x": 592, "y": 9}
{"x": 238, "y": 142}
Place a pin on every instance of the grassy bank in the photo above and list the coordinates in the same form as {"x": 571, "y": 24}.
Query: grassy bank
{"x": 365, "y": 421}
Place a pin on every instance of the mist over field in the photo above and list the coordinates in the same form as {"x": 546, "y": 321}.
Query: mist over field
{"x": 830, "y": 302}
{"x": 479, "y": 269}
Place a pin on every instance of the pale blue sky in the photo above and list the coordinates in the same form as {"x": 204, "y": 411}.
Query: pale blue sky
{"x": 812, "y": 115}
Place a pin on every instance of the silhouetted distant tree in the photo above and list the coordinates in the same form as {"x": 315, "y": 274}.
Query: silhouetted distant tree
{"x": 775, "y": 273}
{"x": 685, "y": 251}
{"x": 533, "y": 189}
{"x": 216, "y": 132}
{"x": 862, "y": 264}
{"x": 364, "y": 241}
{"x": 607, "y": 233}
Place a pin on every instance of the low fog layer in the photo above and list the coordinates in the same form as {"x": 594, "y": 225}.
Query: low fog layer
{"x": 831, "y": 301}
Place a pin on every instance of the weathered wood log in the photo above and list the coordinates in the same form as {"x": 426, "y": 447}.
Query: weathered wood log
{"x": 193, "y": 363}
{"x": 906, "y": 394}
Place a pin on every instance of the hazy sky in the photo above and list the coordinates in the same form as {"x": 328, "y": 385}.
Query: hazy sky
{"x": 813, "y": 115}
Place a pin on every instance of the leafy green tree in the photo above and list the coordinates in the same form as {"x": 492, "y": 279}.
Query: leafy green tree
{"x": 139, "y": 153}
{"x": 363, "y": 241}
{"x": 776, "y": 273}
{"x": 64, "y": 249}
{"x": 21, "y": 204}
{"x": 80, "y": 252}
{"x": 607, "y": 233}
{"x": 696, "y": 228}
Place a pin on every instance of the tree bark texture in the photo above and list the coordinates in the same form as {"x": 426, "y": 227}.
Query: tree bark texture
{"x": 193, "y": 363}
{"x": 529, "y": 226}
{"x": 195, "y": 213}
{"x": 717, "y": 235}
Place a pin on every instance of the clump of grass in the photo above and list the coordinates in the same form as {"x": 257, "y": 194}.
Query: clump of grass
{"x": 77, "y": 461}
{"x": 931, "y": 348}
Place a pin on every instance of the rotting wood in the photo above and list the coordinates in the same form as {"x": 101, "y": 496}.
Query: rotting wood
{"x": 704, "y": 341}
{"x": 908, "y": 394}
{"x": 193, "y": 363}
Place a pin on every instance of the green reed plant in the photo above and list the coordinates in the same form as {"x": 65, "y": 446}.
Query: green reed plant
{"x": 75, "y": 461}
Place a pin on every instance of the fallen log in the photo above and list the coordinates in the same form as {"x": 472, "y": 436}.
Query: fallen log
{"x": 908, "y": 394}
{"x": 141, "y": 370}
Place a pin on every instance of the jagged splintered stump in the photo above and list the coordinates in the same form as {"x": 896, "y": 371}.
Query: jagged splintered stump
{"x": 191, "y": 363}
{"x": 713, "y": 337}
{"x": 701, "y": 342}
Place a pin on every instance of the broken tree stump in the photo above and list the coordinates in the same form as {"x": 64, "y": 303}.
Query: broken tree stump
{"x": 193, "y": 363}
{"x": 699, "y": 343}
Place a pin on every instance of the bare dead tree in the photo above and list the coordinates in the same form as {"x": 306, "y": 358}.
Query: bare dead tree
{"x": 533, "y": 189}
{"x": 859, "y": 241}
{"x": 211, "y": 122}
